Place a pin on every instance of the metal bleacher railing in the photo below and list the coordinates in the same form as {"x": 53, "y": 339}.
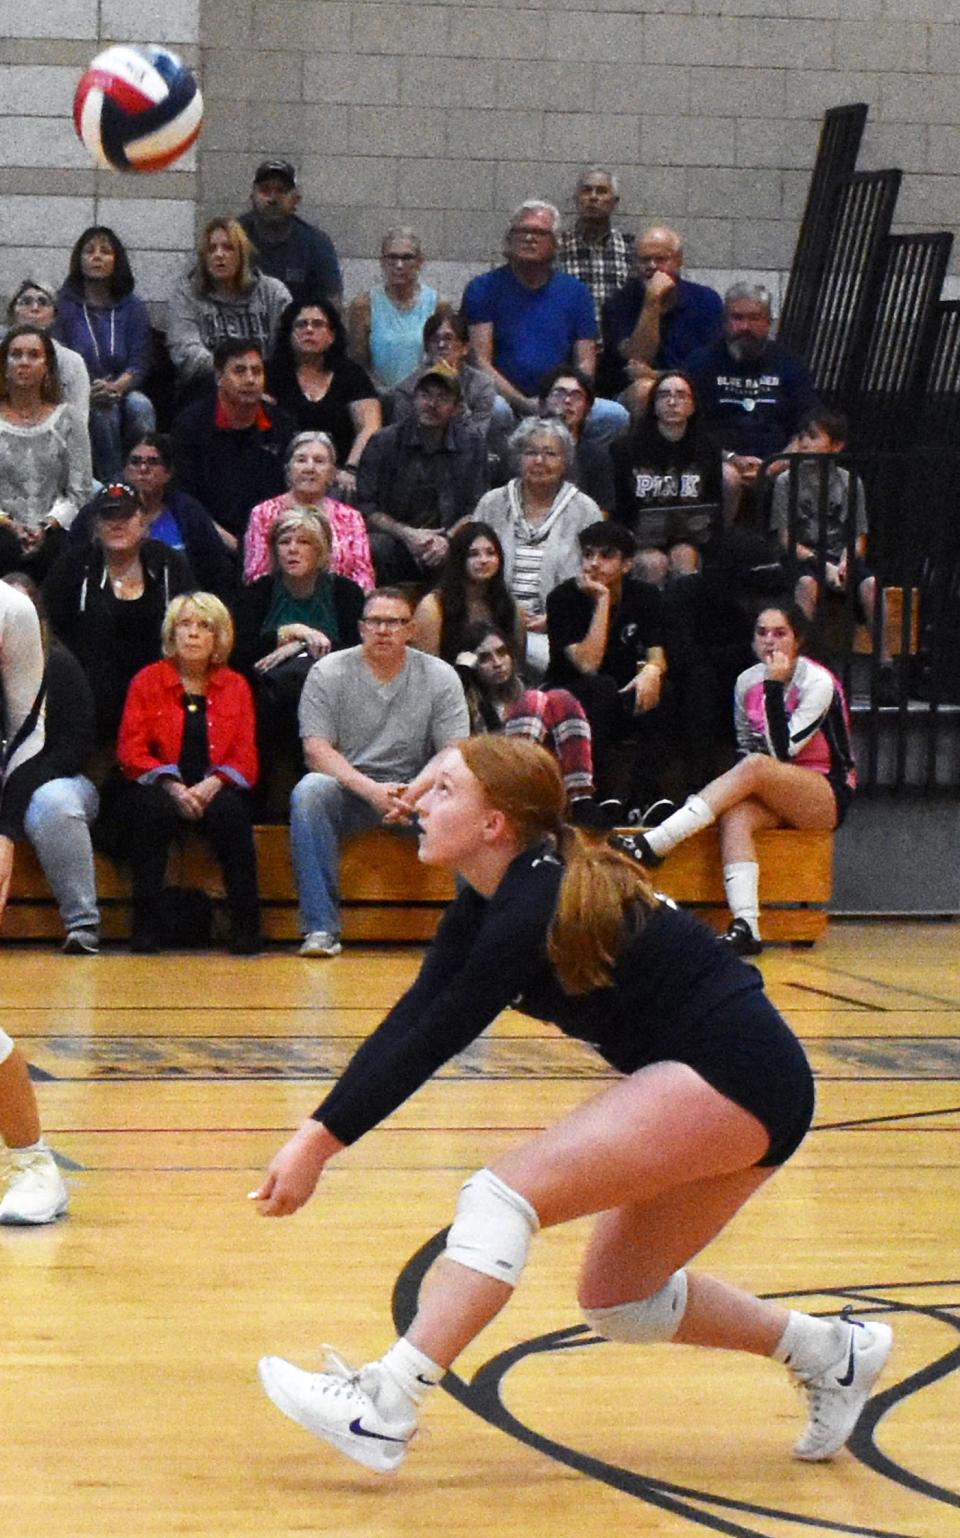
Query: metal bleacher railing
{"x": 863, "y": 307}
{"x": 902, "y": 675}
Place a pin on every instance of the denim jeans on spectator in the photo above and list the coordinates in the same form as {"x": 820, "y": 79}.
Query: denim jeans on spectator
{"x": 322, "y": 815}
{"x": 605, "y": 421}
{"x": 57, "y": 824}
{"x": 113, "y": 429}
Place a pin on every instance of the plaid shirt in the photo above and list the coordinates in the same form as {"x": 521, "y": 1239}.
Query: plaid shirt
{"x": 602, "y": 265}
{"x": 558, "y": 722}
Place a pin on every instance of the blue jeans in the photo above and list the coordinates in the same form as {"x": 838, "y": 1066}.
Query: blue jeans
{"x": 114, "y": 428}
{"x": 322, "y": 815}
{"x": 57, "y": 824}
{"x": 606, "y": 420}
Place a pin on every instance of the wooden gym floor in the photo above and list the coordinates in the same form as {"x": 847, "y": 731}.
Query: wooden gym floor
{"x": 128, "y": 1394}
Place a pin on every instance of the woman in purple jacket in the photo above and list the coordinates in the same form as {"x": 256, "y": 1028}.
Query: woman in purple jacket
{"x": 102, "y": 318}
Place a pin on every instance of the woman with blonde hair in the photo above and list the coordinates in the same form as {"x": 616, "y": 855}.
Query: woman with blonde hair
{"x": 715, "y": 1094}
{"x": 187, "y": 751}
{"x": 223, "y": 296}
{"x": 300, "y": 611}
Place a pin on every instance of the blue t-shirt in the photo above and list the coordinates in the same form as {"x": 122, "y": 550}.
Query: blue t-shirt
{"x": 533, "y": 329}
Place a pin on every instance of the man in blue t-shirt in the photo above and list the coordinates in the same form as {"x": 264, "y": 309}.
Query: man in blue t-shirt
{"x": 526, "y": 317}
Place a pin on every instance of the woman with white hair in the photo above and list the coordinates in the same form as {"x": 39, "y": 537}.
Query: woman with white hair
{"x": 537, "y": 517}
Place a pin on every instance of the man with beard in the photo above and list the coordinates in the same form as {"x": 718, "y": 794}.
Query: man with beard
{"x": 751, "y": 392}
{"x": 300, "y": 255}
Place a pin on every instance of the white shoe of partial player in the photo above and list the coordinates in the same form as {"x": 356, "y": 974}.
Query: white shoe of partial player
{"x": 836, "y": 1397}
{"x": 35, "y": 1192}
{"x": 339, "y": 1406}
{"x": 319, "y": 943}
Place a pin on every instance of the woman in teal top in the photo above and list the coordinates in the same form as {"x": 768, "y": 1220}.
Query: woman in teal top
{"x": 286, "y": 620}
{"x": 385, "y": 323}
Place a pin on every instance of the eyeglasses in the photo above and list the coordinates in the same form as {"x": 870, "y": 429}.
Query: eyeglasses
{"x": 558, "y": 393}
{"x": 318, "y": 323}
{"x": 541, "y": 454}
{"x": 33, "y": 302}
{"x": 144, "y": 461}
{"x": 383, "y": 622}
{"x": 525, "y": 230}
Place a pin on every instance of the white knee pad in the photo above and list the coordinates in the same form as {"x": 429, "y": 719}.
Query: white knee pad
{"x": 492, "y": 1230}
{"x": 652, "y": 1319}
{"x": 6, "y": 1046}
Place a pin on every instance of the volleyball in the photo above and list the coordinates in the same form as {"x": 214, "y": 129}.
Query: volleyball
{"x": 137, "y": 108}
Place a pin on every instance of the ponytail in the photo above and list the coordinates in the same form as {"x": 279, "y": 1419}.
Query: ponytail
{"x": 603, "y": 897}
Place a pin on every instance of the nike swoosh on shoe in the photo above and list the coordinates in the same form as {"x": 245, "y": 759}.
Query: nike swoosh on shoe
{"x": 847, "y": 1378}
{"x": 360, "y": 1430}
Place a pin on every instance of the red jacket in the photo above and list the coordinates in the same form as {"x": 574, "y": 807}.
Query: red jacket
{"x": 151, "y": 731}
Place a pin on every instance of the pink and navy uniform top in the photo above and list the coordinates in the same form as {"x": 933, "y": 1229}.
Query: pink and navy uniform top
{"x": 803, "y": 721}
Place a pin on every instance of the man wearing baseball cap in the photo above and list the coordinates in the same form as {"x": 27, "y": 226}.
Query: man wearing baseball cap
{"x": 288, "y": 248}
{"x": 419, "y": 477}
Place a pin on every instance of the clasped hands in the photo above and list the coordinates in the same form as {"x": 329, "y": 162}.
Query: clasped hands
{"x": 192, "y": 801}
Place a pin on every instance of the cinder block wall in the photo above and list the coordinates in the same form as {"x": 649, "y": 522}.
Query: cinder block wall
{"x": 49, "y": 189}
{"x": 445, "y": 115}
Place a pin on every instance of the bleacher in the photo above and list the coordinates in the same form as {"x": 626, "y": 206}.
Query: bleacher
{"x": 389, "y": 896}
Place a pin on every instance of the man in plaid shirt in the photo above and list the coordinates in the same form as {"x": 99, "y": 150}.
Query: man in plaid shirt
{"x": 593, "y": 251}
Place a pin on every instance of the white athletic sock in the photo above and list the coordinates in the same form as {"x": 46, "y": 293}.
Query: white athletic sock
{"x": 410, "y": 1374}
{"x": 693, "y": 815}
{"x": 28, "y": 1148}
{"x": 808, "y": 1345}
{"x": 741, "y": 883}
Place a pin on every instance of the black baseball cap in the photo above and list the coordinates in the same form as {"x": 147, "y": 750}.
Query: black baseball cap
{"x": 282, "y": 168}
{"x": 116, "y": 500}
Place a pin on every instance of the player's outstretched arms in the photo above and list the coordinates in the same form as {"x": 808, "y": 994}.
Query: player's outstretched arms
{"x": 292, "y": 1174}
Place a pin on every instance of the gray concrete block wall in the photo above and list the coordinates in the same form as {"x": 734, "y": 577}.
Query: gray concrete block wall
{"x": 50, "y": 190}
{"x": 444, "y": 115}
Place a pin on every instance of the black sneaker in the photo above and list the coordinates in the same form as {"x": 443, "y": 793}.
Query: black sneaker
{"x": 612, "y": 812}
{"x": 635, "y": 847}
{"x": 741, "y": 940}
{"x": 595, "y": 817}
{"x": 658, "y": 812}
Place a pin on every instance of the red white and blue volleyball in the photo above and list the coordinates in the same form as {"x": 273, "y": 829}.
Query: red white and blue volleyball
{"x": 137, "y": 108}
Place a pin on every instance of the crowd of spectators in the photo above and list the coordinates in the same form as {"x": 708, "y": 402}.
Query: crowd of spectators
{"x": 554, "y": 507}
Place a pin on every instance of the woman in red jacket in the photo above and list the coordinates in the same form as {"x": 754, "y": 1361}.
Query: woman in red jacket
{"x": 187, "y": 748}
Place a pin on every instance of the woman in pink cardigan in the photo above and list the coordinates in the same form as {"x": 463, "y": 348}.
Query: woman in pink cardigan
{"x": 311, "y": 471}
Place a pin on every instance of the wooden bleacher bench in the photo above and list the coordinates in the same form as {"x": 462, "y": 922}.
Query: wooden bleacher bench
{"x": 388, "y": 895}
